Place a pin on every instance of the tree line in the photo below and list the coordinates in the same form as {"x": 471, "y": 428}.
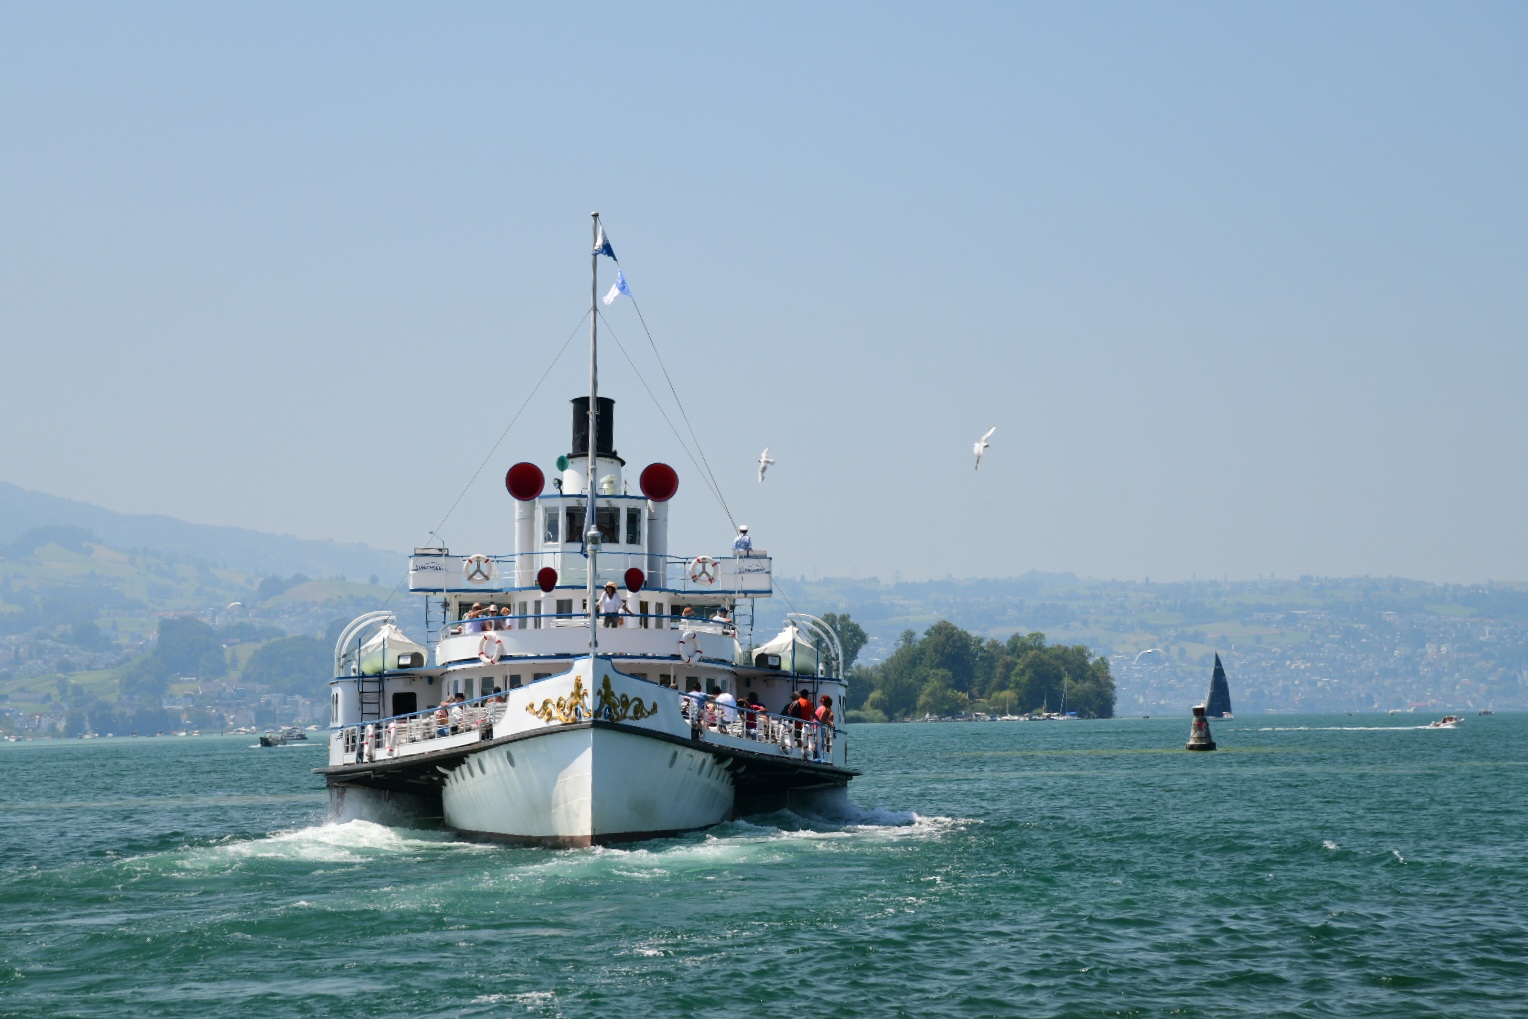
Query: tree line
{"x": 950, "y": 672}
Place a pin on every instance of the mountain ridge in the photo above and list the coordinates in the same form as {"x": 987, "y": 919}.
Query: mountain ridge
{"x": 244, "y": 549}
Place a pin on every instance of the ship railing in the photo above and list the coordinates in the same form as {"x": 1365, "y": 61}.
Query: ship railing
{"x": 382, "y": 740}
{"x": 629, "y": 620}
{"x": 798, "y": 737}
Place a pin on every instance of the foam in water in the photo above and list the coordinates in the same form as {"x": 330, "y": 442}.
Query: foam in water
{"x": 351, "y": 842}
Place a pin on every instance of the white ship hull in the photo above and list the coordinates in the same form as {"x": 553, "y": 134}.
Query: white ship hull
{"x": 585, "y": 785}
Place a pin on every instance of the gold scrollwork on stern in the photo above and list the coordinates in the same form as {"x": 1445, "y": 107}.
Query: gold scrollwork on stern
{"x": 567, "y": 709}
{"x": 618, "y": 709}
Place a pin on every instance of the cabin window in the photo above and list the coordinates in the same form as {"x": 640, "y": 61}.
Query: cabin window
{"x": 334, "y": 708}
{"x": 539, "y": 675}
{"x": 550, "y": 517}
{"x": 564, "y": 606}
{"x": 575, "y": 528}
{"x": 642, "y": 613}
{"x": 469, "y": 683}
{"x": 609, "y": 519}
{"x": 405, "y": 702}
{"x": 514, "y": 681}
{"x": 633, "y": 527}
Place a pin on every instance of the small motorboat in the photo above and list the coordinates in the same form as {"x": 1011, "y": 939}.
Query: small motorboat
{"x": 282, "y": 737}
{"x": 1446, "y": 722}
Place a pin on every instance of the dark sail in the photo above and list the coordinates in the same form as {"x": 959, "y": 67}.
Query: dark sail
{"x": 1218, "y": 703}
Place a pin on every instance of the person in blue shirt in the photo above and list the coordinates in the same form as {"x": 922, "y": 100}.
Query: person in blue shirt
{"x": 742, "y": 543}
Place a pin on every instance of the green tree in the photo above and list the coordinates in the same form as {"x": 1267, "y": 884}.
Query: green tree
{"x": 937, "y": 698}
{"x": 850, "y": 634}
{"x": 296, "y": 665}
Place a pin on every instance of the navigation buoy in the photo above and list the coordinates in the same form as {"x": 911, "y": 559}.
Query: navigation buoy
{"x": 1199, "y": 737}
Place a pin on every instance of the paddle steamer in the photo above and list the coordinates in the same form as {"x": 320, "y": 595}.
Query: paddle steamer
{"x": 548, "y": 720}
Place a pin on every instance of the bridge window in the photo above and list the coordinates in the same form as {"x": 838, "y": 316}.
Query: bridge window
{"x": 550, "y": 519}
{"x": 609, "y": 519}
{"x": 633, "y": 527}
{"x": 575, "y": 523}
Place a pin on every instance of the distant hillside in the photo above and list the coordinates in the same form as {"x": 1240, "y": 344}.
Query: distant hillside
{"x": 234, "y": 547}
{"x": 1315, "y": 643}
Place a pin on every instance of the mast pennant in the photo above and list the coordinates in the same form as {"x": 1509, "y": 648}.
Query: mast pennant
{"x": 602, "y": 247}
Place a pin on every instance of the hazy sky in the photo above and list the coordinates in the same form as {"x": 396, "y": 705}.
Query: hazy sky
{"x": 1243, "y": 287}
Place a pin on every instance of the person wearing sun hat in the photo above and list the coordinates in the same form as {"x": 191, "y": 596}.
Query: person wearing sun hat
{"x": 610, "y": 605}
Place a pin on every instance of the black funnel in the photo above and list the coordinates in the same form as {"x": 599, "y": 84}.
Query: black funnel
{"x": 604, "y": 423}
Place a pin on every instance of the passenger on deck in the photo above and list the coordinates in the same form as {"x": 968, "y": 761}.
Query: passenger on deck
{"x": 610, "y": 605}
{"x": 801, "y": 710}
{"x": 726, "y": 706}
{"x": 473, "y": 619}
{"x": 751, "y": 708}
{"x": 696, "y": 701}
{"x": 443, "y": 721}
{"x": 742, "y": 543}
{"x": 491, "y": 618}
{"x": 825, "y": 711}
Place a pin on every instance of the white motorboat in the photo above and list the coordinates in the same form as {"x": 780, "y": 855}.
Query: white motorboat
{"x": 1446, "y": 722}
{"x": 525, "y": 716}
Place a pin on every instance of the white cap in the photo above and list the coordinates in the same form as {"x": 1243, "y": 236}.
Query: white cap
{"x": 742, "y": 527}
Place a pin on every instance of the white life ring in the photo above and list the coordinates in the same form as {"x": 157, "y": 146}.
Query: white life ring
{"x": 704, "y": 570}
{"x": 478, "y": 569}
{"x": 390, "y": 740}
{"x": 490, "y": 649}
{"x": 689, "y": 647}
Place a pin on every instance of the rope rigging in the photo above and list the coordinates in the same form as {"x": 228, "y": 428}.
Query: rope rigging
{"x": 495, "y": 448}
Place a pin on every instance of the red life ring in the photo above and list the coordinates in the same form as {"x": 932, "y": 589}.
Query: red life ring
{"x": 704, "y": 570}
{"x": 490, "y": 641}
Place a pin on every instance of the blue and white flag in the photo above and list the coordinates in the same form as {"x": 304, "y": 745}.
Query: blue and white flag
{"x": 602, "y": 247}
{"x": 618, "y": 288}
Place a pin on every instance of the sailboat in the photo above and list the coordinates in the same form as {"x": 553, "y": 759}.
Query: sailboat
{"x": 586, "y": 688}
{"x": 1218, "y": 703}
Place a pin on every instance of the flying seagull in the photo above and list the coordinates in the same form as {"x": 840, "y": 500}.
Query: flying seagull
{"x": 980, "y": 446}
{"x": 764, "y": 461}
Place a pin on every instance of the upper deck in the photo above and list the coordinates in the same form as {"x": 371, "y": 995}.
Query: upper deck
{"x": 734, "y": 575}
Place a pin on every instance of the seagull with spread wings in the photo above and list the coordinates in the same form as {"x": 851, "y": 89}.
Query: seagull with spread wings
{"x": 764, "y": 461}
{"x": 980, "y": 446}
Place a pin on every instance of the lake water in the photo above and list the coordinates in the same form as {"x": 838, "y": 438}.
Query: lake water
{"x": 1313, "y": 866}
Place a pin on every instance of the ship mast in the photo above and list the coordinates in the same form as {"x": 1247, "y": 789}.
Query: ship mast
{"x": 591, "y": 530}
